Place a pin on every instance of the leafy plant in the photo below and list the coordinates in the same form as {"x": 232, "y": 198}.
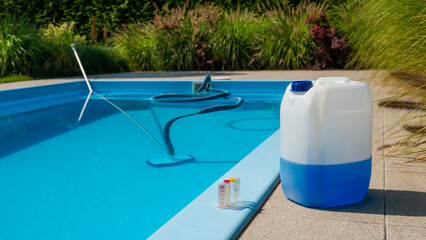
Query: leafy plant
{"x": 109, "y": 15}
{"x": 234, "y": 43}
{"x": 331, "y": 52}
{"x": 135, "y": 42}
{"x": 60, "y": 60}
{"x": 63, "y": 34}
{"x": 180, "y": 39}
{"x": 390, "y": 35}
{"x": 286, "y": 43}
{"x": 205, "y": 38}
{"x": 19, "y": 50}
{"x": 14, "y": 78}
{"x": 183, "y": 38}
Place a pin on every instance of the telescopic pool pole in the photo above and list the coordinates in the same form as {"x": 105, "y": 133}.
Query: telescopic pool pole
{"x": 87, "y": 82}
{"x": 81, "y": 67}
{"x": 168, "y": 156}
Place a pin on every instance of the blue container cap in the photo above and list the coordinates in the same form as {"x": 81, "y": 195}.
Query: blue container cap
{"x": 301, "y": 86}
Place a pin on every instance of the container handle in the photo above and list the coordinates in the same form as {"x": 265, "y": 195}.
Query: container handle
{"x": 332, "y": 80}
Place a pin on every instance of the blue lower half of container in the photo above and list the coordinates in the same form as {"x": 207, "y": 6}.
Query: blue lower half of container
{"x": 325, "y": 185}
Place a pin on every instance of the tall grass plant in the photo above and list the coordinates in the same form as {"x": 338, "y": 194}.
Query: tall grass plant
{"x": 19, "y": 47}
{"x": 391, "y": 35}
{"x": 183, "y": 37}
{"x": 207, "y": 37}
{"x": 286, "y": 43}
{"x": 135, "y": 43}
{"x": 236, "y": 39}
{"x": 41, "y": 53}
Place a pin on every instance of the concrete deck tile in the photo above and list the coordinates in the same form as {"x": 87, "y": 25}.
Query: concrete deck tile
{"x": 233, "y": 75}
{"x": 405, "y": 198}
{"x": 242, "y": 75}
{"x": 376, "y": 92}
{"x": 377, "y": 111}
{"x": 371, "y": 209}
{"x": 31, "y": 83}
{"x": 267, "y": 227}
{"x": 377, "y": 149}
{"x": 391, "y": 115}
{"x": 363, "y": 75}
{"x": 394, "y": 132}
{"x": 401, "y": 164}
{"x": 377, "y": 162}
{"x": 396, "y": 232}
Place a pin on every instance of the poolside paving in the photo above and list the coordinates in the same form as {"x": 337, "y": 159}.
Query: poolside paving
{"x": 395, "y": 205}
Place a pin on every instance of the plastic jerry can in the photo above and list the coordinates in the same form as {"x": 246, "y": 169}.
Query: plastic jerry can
{"x": 326, "y": 138}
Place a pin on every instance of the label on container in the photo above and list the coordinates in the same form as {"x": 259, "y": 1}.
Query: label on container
{"x": 221, "y": 196}
{"x": 227, "y": 194}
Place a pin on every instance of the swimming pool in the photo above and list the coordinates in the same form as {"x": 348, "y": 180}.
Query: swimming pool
{"x": 61, "y": 177}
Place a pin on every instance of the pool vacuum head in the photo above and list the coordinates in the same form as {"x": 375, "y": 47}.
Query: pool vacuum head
{"x": 169, "y": 160}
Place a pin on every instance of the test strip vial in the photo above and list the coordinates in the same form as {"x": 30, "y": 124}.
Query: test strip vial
{"x": 221, "y": 195}
{"x": 232, "y": 183}
{"x": 235, "y": 189}
{"x": 227, "y": 193}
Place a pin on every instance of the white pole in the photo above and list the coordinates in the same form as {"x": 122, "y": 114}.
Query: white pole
{"x": 118, "y": 108}
{"x": 84, "y": 106}
{"x": 81, "y": 67}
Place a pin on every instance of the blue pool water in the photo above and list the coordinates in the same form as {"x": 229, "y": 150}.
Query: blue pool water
{"x": 64, "y": 179}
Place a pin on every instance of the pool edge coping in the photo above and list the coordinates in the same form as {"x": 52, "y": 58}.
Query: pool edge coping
{"x": 201, "y": 215}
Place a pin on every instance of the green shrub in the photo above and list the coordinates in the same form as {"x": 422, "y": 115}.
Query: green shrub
{"x": 286, "y": 42}
{"x": 389, "y": 34}
{"x": 14, "y": 78}
{"x": 331, "y": 51}
{"x": 63, "y": 34}
{"x": 342, "y": 16}
{"x": 135, "y": 43}
{"x": 60, "y": 60}
{"x": 19, "y": 47}
{"x": 183, "y": 38}
{"x": 25, "y": 50}
{"x": 101, "y": 59}
{"x": 236, "y": 39}
{"x": 206, "y": 37}
{"x": 180, "y": 39}
{"x": 109, "y": 15}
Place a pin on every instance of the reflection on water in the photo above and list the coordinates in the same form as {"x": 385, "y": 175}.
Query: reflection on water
{"x": 20, "y": 130}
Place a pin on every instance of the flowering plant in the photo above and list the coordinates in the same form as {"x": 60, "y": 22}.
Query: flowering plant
{"x": 332, "y": 51}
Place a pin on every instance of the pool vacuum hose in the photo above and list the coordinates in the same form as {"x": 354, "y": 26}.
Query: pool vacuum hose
{"x": 201, "y": 94}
